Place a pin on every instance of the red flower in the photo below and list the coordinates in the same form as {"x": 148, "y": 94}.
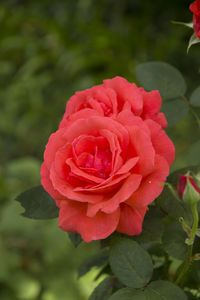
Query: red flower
{"x": 106, "y": 162}
{"x": 114, "y": 96}
{"x": 182, "y": 184}
{"x": 195, "y": 8}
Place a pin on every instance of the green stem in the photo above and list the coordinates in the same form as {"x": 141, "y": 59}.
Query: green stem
{"x": 172, "y": 190}
{"x": 186, "y": 265}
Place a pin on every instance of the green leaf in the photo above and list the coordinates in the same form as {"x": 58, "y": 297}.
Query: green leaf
{"x": 175, "y": 111}
{"x": 75, "y": 238}
{"x": 38, "y": 204}
{"x": 130, "y": 263}
{"x": 97, "y": 260}
{"x": 173, "y": 207}
{"x": 195, "y": 97}
{"x": 104, "y": 289}
{"x": 161, "y": 76}
{"x": 152, "y": 227}
{"x": 164, "y": 290}
{"x": 189, "y": 25}
{"x": 156, "y": 290}
{"x": 192, "y": 41}
{"x": 128, "y": 294}
{"x": 173, "y": 241}
{"x": 191, "y": 157}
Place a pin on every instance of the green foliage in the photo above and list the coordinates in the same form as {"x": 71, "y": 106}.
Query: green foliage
{"x": 195, "y": 97}
{"x": 152, "y": 227}
{"x": 104, "y": 289}
{"x": 38, "y": 204}
{"x": 49, "y": 50}
{"x": 163, "y": 77}
{"x": 157, "y": 290}
{"x": 97, "y": 260}
{"x": 173, "y": 241}
{"x": 130, "y": 263}
{"x": 75, "y": 238}
{"x": 175, "y": 111}
{"x": 173, "y": 207}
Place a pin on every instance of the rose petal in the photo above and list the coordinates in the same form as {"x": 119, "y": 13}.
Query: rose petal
{"x": 56, "y": 141}
{"x": 129, "y": 164}
{"x": 92, "y": 126}
{"x": 131, "y": 219}
{"x": 161, "y": 142}
{"x": 152, "y": 103}
{"x": 110, "y": 205}
{"x": 81, "y": 174}
{"x": 72, "y": 217}
{"x": 151, "y": 186}
{"x": 47, "y": 185}
{"x": 144, "y": 150}
{"x": 66, "y": 190}
{"x": 126, "y": 92}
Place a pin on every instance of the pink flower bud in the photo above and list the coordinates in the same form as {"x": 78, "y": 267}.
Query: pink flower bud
{"x": 195, "y": 8}
{"x": 182, "y": 184}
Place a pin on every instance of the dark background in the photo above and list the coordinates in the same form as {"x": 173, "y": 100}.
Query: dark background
{"x": 48, "y": 50}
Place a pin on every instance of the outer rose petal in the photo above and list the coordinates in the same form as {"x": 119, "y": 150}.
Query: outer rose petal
{"x": 131, "y": 219}
{"x": 161, "y": 142}
{"x": 56, "y": 141}
{"x": 72, "y": 218}
{"x": 161, "y": 120}
{"x": 47, "y": 185}
{"x": 144, "y": 149}
{"x": 151, "y": 187}
{"x": 126, "y": 92}
{"x": 152, "y": 103}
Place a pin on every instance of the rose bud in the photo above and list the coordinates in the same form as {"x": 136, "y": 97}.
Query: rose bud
{"x": 195, "y": 8}
{"x": 188, "y": 189}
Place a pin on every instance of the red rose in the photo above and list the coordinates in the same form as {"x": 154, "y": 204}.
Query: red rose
{"x": 106, "y": 162}
{"x": 195, "y": 8}
{"x": 114, "y": 96}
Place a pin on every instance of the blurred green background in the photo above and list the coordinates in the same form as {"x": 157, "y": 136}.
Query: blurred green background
{"x": 48, "y": 50}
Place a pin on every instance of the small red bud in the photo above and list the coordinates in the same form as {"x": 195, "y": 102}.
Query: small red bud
{"x": 195, "y": 8}
{"x": 182, "y": 184}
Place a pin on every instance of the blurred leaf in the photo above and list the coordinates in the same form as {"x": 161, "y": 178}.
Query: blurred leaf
{"x": 38, "y": 204}
{"x": 191, "y": 157}
{"x": 152, "y": 227}
{"x": 175, "y": 111}
{"x": 161, "y": 76}
{"x": 130, "y": 263}
{"x": 195, "y": 97}
{"x": 156, "y": 290}
{"x": 97, "y": 260}
{"x": 75, "y": 238}
{"x": 173, "y": 241}
{"x": 103, "y": 290}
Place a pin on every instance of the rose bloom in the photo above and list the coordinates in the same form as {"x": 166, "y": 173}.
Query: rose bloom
{"x": 195, "y": 8}
{"x": 107, "y": 161}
